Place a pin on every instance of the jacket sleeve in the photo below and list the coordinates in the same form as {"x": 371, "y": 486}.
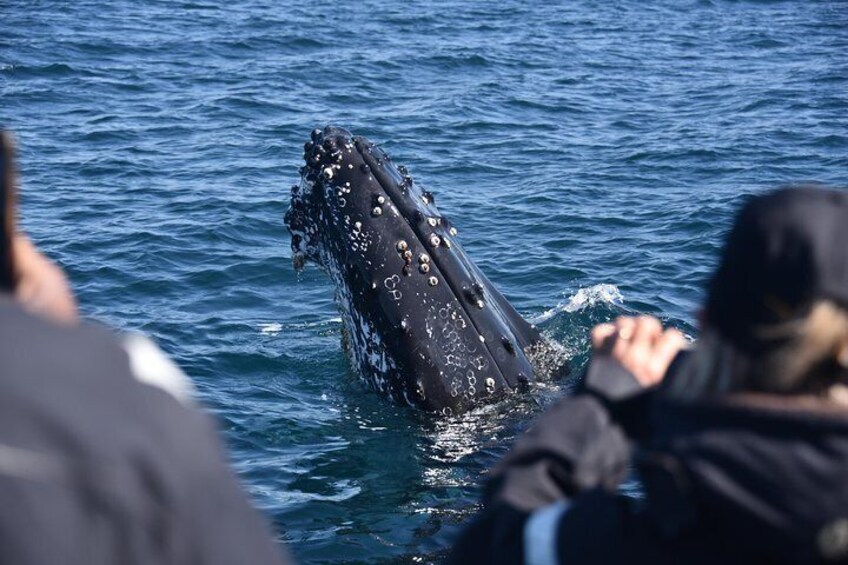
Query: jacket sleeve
{"x": 574, "y": 449}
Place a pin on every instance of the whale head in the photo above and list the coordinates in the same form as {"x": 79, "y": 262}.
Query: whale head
{"x": 422, "y": 323}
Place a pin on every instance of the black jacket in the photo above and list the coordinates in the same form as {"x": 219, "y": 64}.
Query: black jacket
{"x": 97, "y": 467}
{"x": 742, "y": 479}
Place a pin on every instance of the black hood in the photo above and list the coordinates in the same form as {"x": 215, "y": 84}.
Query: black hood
{"x": 767, "y": 476}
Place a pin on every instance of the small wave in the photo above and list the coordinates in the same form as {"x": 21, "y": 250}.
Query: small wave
{"x": 270, "y": 329}
{"x": 582, "y": 299}
{"x": 274, "y": 328}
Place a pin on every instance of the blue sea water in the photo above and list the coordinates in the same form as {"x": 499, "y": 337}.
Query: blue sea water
{"x": 592, "y": 154}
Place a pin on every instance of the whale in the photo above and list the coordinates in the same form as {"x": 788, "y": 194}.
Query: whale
{"x": 421, "y": 322}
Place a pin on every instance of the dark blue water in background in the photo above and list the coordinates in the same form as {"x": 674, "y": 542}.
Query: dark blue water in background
{"x": 591, "y": 153}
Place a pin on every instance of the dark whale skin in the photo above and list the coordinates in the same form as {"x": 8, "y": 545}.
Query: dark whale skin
{"x": 423, "y": 325}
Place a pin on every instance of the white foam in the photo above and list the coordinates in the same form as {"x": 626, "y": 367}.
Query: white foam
{"x": 274, "y": 328}
{"x": 271, "y": 329}
{"x": 582, "y": 299}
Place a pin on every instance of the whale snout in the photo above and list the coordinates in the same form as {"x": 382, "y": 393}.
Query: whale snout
{"x": 324, "y": 152}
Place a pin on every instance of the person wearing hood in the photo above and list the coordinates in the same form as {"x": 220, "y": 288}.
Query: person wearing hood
{"x": 740, "y": 444}
{"x": 104, "y": 456}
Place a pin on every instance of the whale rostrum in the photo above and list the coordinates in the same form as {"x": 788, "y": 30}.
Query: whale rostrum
{"x": 422, "y": 324}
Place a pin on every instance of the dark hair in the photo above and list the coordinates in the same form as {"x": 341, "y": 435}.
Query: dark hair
{"x": 7, "y": 194}
{"x": 800, "y": 358}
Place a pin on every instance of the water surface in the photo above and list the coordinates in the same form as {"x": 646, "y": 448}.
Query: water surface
{"x": 591, "y": 154}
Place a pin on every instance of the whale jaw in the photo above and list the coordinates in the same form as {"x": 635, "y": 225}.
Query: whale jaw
{"x": 422, "y": 324}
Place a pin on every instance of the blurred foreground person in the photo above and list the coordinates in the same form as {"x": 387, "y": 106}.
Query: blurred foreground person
{"x": 102, "y": 457}
{"x": 742, "y": 450}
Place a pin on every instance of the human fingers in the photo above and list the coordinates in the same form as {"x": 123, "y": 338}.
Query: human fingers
{"x": 664, "y": 351}
{"x": 621, "y": 344}
{"x": 646, "y": 330}
{"x": 601, "y": 335}
{"x": 635, "y": 353}
{"x": 624, "y": 326}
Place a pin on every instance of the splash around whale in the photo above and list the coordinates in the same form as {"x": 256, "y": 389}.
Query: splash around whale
{"x": 422, "y": 324}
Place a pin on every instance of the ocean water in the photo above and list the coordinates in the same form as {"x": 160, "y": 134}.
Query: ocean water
{"x": 591, "y": 153}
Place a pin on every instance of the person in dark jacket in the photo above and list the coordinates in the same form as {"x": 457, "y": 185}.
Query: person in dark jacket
{"x": 741, "y": 451}
{"x": 103, "y": 457}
